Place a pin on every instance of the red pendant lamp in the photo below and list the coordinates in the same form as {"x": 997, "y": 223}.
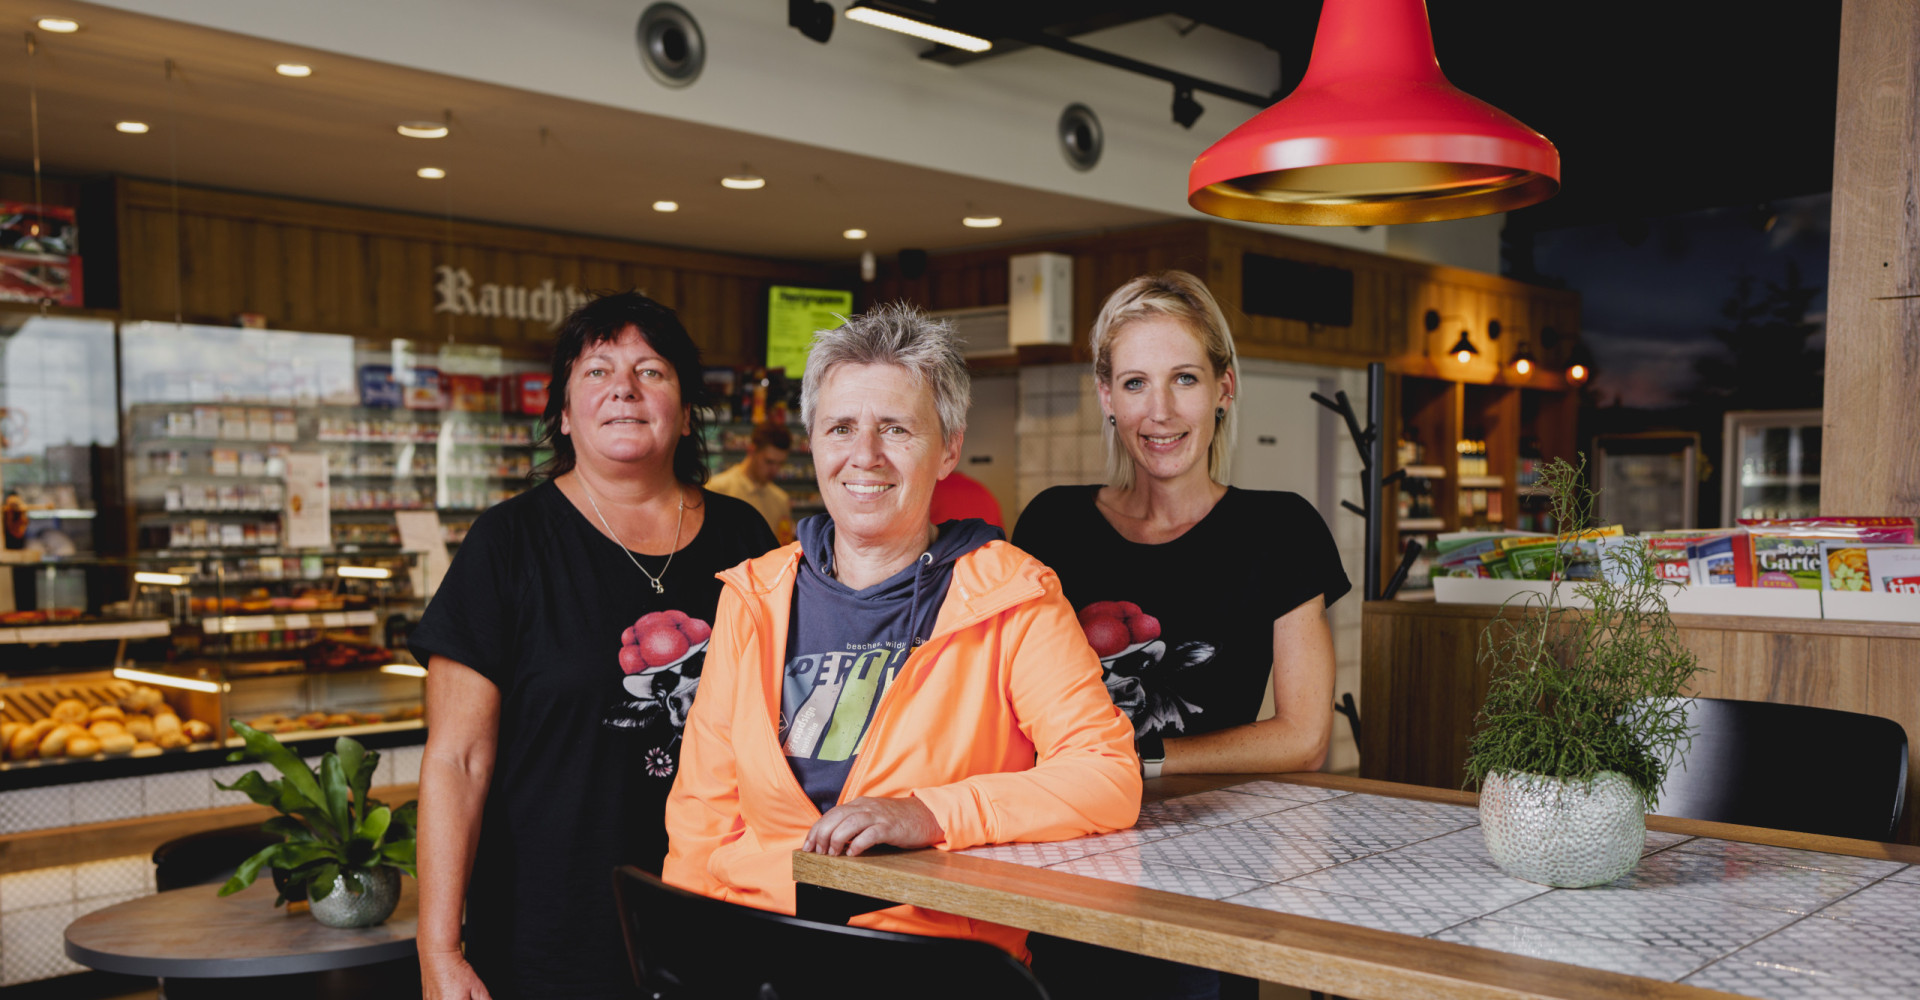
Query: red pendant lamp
{"x": 1374, "y": 135}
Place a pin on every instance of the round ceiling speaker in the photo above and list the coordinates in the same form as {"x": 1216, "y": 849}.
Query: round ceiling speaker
{"x": 1080, "y": 136}
{"x": 671, "y": 45}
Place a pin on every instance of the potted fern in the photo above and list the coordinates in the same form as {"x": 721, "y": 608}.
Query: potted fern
{"x": 340, "y": 850}
{"x": 1583, "y": 714}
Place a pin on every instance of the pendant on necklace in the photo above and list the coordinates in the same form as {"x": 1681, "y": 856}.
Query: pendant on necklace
{"x": 657, "y": 588}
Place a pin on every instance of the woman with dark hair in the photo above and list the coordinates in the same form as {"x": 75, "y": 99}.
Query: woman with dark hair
{"x": 562, "y": 653}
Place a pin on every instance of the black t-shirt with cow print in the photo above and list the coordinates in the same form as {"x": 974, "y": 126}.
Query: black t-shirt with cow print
{"x": 595, "y": 673}
{"x": 1184, "y": 628}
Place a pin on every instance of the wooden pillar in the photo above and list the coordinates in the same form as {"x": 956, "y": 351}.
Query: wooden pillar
{"x": 1871, "y": 463}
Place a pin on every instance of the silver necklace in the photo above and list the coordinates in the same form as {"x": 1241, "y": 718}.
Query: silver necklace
{"x": 658, "y": 587}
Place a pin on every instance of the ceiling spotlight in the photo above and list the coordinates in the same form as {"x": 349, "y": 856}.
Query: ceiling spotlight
{"x": 918, "y": 29}
{"x": 430, "y": 173}
{"x": 666, "y": 206}
{"x": 981, "y": 222}
{"x": 1186, "y": 110}
{"x": 813, "y": 18}
{"x": 1577, "y": 373}
{"x": 293, "y": 69}
{"x": 1463, "y": 351}
{"x": 58, "y": 25}
{"x": 743, "y": 181}
{"x": 131, "y": 128}
{"x": 855, "y": 234}
{"x": 422, "y": 130}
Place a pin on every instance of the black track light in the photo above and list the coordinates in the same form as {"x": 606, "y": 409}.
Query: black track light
{"x": 812, "y": 17}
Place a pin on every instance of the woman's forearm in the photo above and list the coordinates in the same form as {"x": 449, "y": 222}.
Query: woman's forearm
{"x": 1274, "y": 744}
{"x": 453, "y": 794}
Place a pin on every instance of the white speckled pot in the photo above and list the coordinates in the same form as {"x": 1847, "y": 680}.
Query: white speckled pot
{"x": 374, "y": 904}
{"x": 1562, "y": 833}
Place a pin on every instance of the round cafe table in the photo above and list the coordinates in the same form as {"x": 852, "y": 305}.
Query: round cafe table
{"x": 192, "y": 933}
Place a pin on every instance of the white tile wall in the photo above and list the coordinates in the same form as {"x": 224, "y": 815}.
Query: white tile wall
{"x": 177, "y": 792}
{"x": 36, "y": 808}
{"x": 406, "y": 764}
{"x": 32, "y": 944}
{"x": 115, "y": 798}
{"x": 30, "y": 889}
{"x": 113, "y": 877}
{"x": 36, "y": 907}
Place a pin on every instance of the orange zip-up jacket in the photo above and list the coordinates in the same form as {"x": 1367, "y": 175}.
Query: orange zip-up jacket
{"x": 999, "y": 723}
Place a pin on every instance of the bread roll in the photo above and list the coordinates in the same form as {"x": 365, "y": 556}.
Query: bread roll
{"x": 196, "y": 730}
{"x": 141, "y": 726}
{"x": 26, "y": 740}
{"x": 107, "y": 713}
{"x": 7, "y": 729}
{"x": 82, "y": 745}
{"x": 70, "y": 710}
{"x": 54, "y": 744}
{"x": 104, "y": 728}
{"x": 117, "y": 743}
{"x": 143, "y": 699}
{"x": 139, "y": 745}
{"x": 172, "y": 739}
{"x": 165, "y": 722}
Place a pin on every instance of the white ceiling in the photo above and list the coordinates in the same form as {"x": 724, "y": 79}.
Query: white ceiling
{"x": 227, "y": 120}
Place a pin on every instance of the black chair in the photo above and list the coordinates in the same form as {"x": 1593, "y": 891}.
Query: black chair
{"x": 1346, "y": 707}
{"x": 683, "y": 945}
{"x": 207, "y": 856}
{"x": 1790, "y": 767}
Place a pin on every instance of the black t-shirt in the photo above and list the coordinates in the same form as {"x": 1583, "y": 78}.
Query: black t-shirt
{"x": 596, "y": 673}
{"x": 1184, "y": 629}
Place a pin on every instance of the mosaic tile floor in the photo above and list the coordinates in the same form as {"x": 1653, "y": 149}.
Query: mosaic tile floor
{"x": 1762, "y": 921}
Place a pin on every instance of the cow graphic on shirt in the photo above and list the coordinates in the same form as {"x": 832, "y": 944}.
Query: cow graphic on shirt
{"x": 1139, "y": 667}
{"x": 660, "y": 659}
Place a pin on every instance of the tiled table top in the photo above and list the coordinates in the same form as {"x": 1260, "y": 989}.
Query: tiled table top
{"x": 1742, "y": 918}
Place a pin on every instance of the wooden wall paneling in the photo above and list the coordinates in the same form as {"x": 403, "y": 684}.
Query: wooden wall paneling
{"x": 300, "y": 308}
{"x": 1820, "y": 670}
{"x": 1709, "y": 649}
{"x": 265, "y": 270}
{"x": 1893, "y": 691}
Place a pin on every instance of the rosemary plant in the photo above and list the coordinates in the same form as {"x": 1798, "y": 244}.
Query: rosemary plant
{"x": 1574, "y": 693}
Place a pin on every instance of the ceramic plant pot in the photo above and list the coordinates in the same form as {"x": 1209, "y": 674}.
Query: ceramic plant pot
{"x": 1570, "y": 834}
{"x": 345, "y": 908}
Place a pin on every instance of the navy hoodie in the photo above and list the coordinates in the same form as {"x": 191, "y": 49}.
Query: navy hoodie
{"x": 844, "y": 646}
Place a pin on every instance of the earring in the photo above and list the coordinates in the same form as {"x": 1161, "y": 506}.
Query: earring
{"x": 1111, "y": 422}
{"x": 1219, "y": 413}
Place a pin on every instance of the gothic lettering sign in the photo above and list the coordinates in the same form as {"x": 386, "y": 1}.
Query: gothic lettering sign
{"x": 456, "y": 293}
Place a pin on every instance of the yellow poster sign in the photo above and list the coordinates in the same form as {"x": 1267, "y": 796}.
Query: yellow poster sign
{"x": 794, "y": 315}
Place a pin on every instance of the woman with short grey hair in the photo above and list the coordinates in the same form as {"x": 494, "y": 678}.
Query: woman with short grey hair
{"x": 895, "y": 334}
{"x": 934, "y": 688}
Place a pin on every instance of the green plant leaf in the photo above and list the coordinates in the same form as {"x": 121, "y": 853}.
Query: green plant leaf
{"x": 375, "y": 826}
{"x": 357, "y": 765}
{"x": 249, "y": 869}
{"x": 288, "y": 827}
{"x": 406, "y": 821}
{"x": 400, "y": 855}
{"x": 299, "y": 778}
{"x": 257, "y": 788}
{"x": 320, "y": 883}
{"x": 333, "y": 783}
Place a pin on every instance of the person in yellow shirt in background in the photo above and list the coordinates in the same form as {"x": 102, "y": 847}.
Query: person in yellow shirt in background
{"x": 752, "y": 480}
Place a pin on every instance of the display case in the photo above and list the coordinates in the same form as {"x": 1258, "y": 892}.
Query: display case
{"x": 1771, "y": 465}
{"x": 1647, "y": 482}
{"x": 142, "y": 661}
{"x": 59, "y": 432}
{"x": 365, "y": 430}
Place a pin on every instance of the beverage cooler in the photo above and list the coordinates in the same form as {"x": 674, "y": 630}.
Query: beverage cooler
{"x": 1772, "y": 465}
{"x": 1647, "y": 482}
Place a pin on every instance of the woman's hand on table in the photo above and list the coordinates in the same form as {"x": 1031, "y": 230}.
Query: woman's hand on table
{"x": 447, "y": 976}
{"x": 852, "y": 827}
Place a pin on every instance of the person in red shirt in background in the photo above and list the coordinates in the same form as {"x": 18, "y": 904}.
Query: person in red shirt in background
{"x": 960, "y": 496}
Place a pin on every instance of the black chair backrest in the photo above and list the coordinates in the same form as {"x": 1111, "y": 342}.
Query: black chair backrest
{"x": 207, "y": 856}
{"x": 1790, "y": 767}
{"x": 684, "y": 945}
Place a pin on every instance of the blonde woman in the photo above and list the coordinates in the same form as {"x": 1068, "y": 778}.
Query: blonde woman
{"x": 1193, "y": 593}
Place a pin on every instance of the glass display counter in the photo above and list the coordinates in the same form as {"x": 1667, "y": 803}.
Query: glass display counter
{"x": 142, "y": 661}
